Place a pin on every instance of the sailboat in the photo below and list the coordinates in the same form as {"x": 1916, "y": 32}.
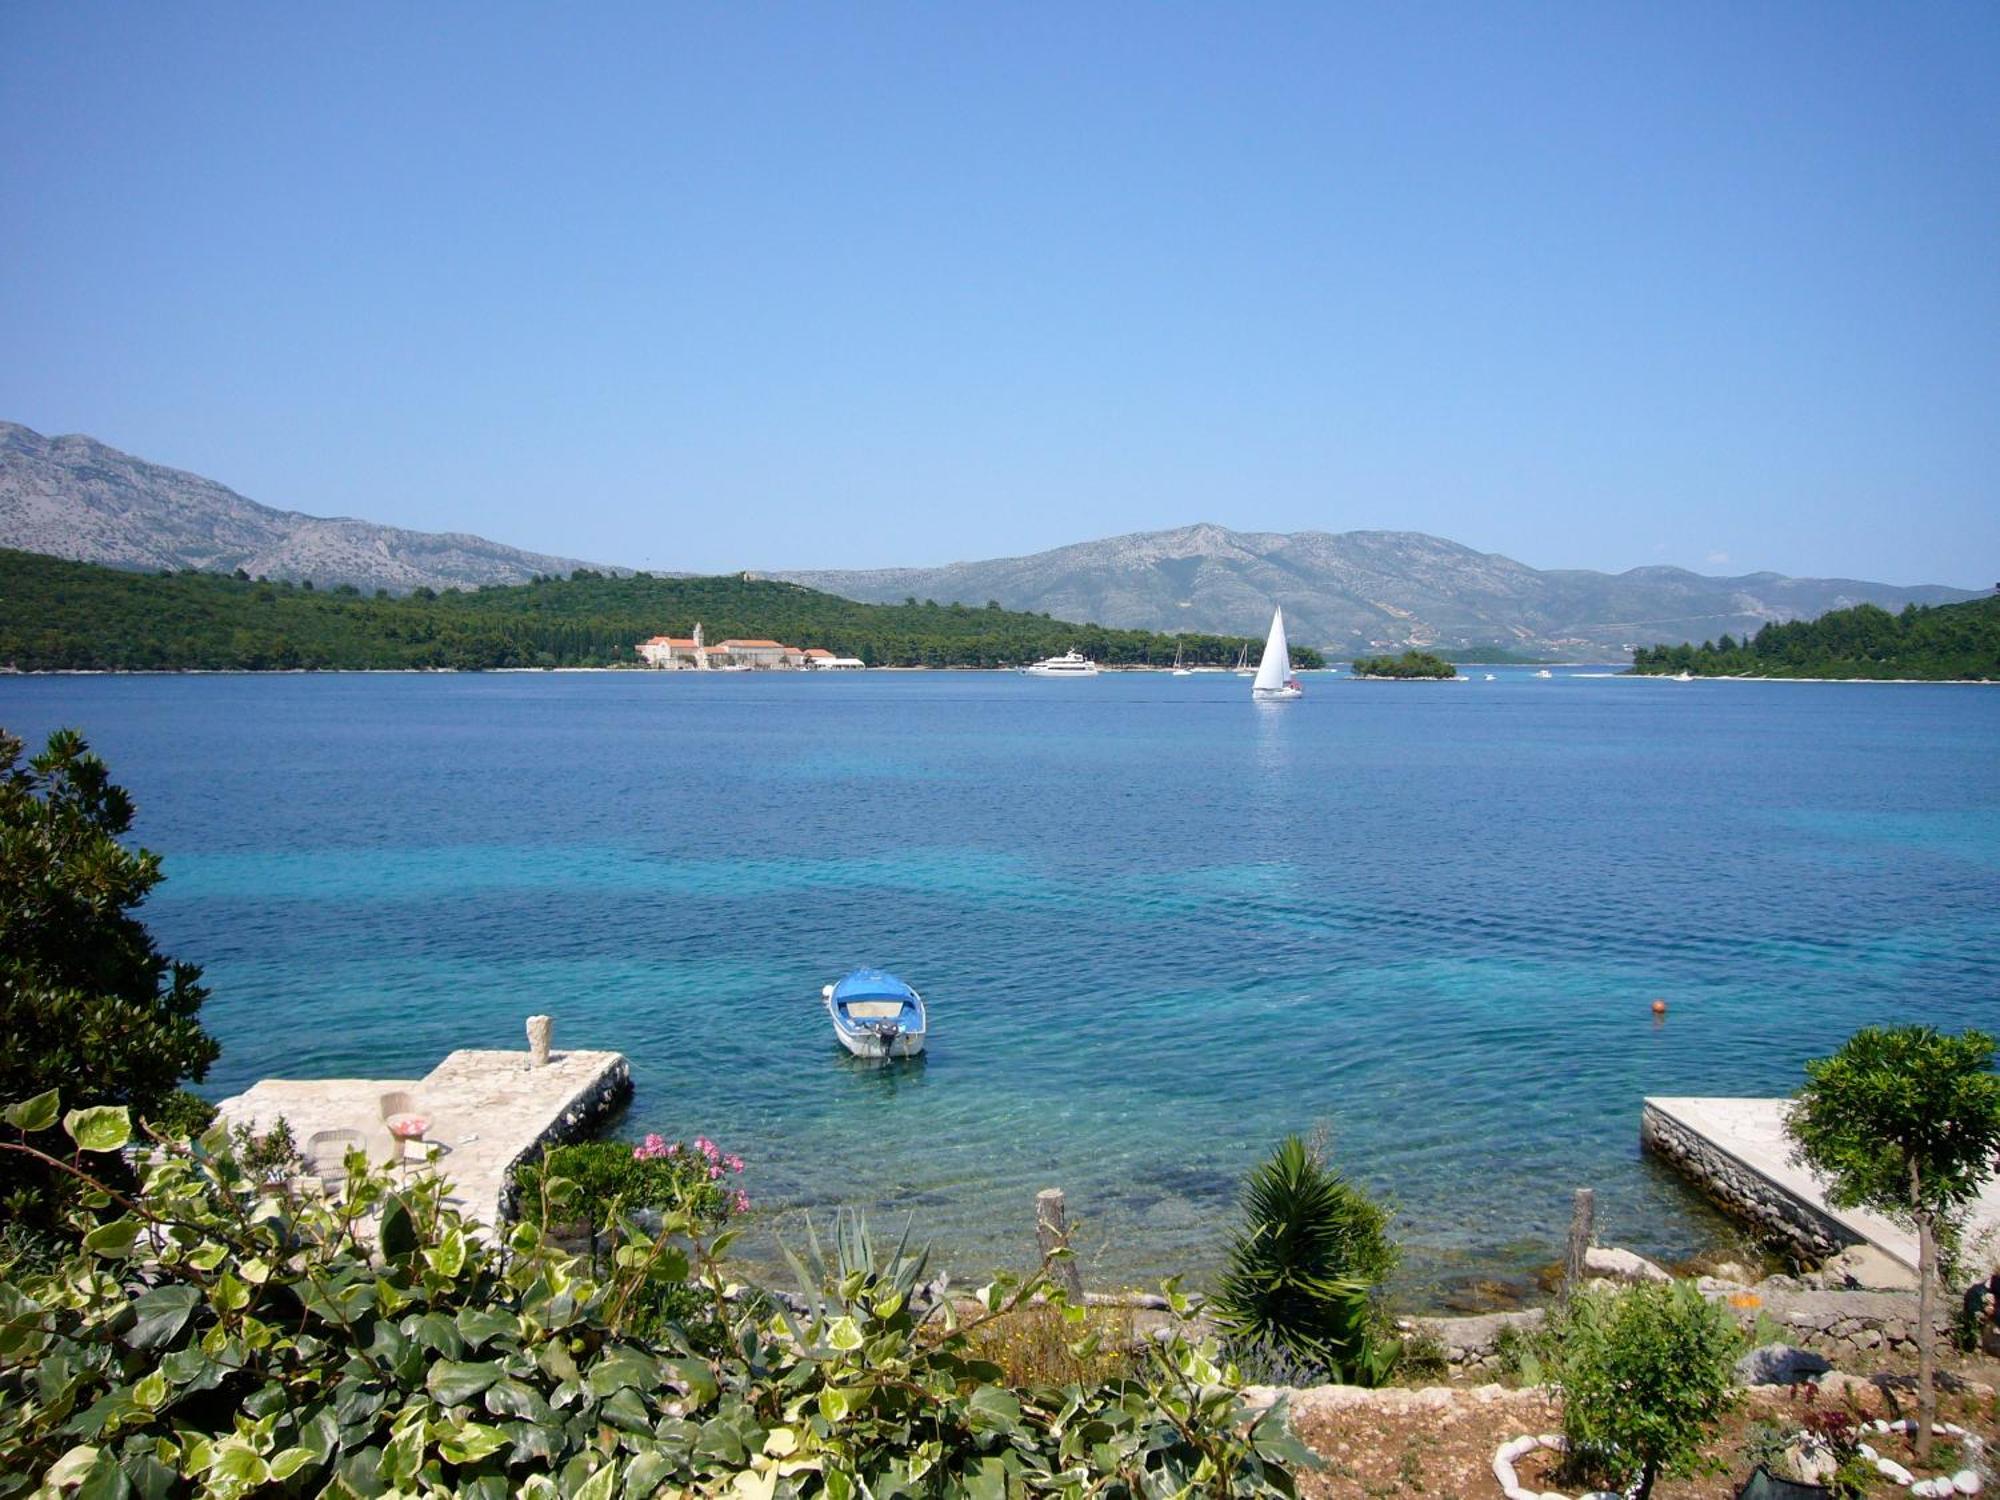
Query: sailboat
{"x": 1275, "y": 682}
{"x": 1243, "y": 667}
{"x": 1181, "y": 670}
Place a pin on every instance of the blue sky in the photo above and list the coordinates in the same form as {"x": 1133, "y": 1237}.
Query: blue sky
{"x": 741, "y": 285}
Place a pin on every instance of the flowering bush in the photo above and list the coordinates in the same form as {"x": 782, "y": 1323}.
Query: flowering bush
{"x": 689, "y": 1166}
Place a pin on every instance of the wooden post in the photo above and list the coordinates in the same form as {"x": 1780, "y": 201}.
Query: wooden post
{"x": 1052, "y": 1231}
{"x": 1582, "y": 1225}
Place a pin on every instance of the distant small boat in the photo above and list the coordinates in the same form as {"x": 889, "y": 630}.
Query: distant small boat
{"x": 1243, "y": 667}
{"x": 1545, "y": 672}
{"x": 1489, "y": 677}
{"x": 1069, "y": 664}
{"x": 1179, "y": 669}
{"x": 1276, "y": 682}
{"x": 875, "y": 1014}
{"x": 1685, "y": 676}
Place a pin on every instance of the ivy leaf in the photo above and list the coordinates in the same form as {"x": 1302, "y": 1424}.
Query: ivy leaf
{"x": 105, "y": 1481}
{"x": 844, "y": 1334}
{"x": 600, "y": 1486}
{"x": 471, "y": 1442}
{"x": 399, "y": 1230}
{"x": 626, "y": 1411}
{"x": 621, "y": 1367}
{"x": 648, "y": 1472}
{"x": 698, "y": 1380}
{"x": 239, "y": 1464}
{"x": 38, "y": 1113}
{"x": 478, "y": 1324}
{"x": 515, "y": 1398}
{"x": 151, "y": 1479}
{"x": 160, "y": 1316}
{"x": 104, "y": 1127}
{"x": 453, "y": 1383}
{"x": 447, "y": 1258}
{"x": 114, "y": 1239}
{"x": 995, "y": 1409}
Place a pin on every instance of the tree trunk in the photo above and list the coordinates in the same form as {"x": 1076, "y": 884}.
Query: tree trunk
{"x": 1647, "y": 1475}
{"x": 1926, "y": 1342}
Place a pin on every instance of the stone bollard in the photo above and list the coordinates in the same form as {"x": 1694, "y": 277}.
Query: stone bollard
{"x": 541, "y": 1032}
{"x": 1051, "y": 1231}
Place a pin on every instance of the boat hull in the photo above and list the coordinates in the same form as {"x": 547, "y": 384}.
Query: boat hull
{"x": 1276, "y": 695}
{"x": 908, "y": 1044}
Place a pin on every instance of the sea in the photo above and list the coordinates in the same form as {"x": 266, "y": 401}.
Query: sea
{"x": 1158, "y": 926}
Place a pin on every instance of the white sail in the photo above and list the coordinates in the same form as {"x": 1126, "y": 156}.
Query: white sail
{"x": 1276, "y": 666}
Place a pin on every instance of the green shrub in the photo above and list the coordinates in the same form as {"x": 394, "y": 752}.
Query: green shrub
{"x": 603, "y": 1180}
{"x": 1645, "y": 1376}
{"x": 208, "y": 1337}
{"x": 87, "y": 1004}
{"x": 1296, "y": 1290}
{"x": 182, "y": 1113}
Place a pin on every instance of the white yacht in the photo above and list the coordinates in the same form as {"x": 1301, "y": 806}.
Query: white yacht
{"x": 1181, "y": 669}
{"x": 1545, "y": 672}
{"x": 1276, "y": 683}
{"x": 1069, "y": 664}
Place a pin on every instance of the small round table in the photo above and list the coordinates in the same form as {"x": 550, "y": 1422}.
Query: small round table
{"x": 406, "y": 1128}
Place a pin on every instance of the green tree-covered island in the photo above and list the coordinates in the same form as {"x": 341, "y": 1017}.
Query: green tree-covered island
{"x": 1935, "y": 643}
{"x": 68, "y": 616}
{"x": 1412, "y": 666}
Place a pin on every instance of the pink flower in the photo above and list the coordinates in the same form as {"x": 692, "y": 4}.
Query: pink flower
{"x": 674, "y": 1149}
{"x": 736, "y": 1164}
{"x": 742, "y": 1203}
{"x": 713, "y": 1173}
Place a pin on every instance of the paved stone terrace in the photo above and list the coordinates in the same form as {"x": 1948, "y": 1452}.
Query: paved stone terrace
{"x": 1749, "y": 1134}
{"x": 487, "y": 1110}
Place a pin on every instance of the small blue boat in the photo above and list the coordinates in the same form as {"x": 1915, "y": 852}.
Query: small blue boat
{"x": 875, "y": 1014}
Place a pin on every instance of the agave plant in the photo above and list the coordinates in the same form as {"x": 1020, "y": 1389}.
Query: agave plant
{"x": 1296, "y": 1290}
{"x": 855, "y": 1269}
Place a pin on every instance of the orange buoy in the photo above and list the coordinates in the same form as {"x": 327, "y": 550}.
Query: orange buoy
{"x": 1659, "y": 1007}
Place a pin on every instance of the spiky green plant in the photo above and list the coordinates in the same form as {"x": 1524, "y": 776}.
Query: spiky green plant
{"x": 1302, "y": 1269}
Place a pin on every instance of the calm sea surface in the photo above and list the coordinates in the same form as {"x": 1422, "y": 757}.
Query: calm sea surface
{"x": 1158, "y": 926}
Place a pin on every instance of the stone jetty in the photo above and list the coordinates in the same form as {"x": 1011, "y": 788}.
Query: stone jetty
{"x": 487, "y": 1111}
{"x": 1737, "y": 1152}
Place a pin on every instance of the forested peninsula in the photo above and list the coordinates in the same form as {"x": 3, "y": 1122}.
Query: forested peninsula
{"x": 58, "y": 615}
{"x": 1936, "y": 643}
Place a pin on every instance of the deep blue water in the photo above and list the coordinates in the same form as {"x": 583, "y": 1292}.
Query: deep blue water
{"x": 1158, "y": 926}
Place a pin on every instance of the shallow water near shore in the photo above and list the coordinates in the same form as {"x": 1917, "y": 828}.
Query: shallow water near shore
{"x": 1158, "y": 926}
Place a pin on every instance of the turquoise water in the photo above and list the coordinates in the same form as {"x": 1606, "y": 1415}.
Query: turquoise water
{"x": 1158, "y": 926}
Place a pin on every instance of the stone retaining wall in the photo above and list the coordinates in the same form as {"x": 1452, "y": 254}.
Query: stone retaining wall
{"x": 581, "y": 1120}
{"x": 1797, "y": 1227}
{"x": 1846, "y": 1323}
{"x": 1839, "y": 1324}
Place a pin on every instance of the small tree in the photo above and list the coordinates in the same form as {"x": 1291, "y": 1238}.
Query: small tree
{"x": 1904, "y": 1120}
{"x": 1645, "y": 1375}
{"x": 87, "y": 1003}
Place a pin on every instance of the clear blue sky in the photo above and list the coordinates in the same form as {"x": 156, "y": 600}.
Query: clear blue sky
{"x": 724, "y": 285}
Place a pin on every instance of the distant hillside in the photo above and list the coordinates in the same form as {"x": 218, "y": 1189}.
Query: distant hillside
{"x": 57, "y": 615}
{"x": 1370, "y": 592}
{"x": 74, "y": 497}
{"x": 1951, "y": 642}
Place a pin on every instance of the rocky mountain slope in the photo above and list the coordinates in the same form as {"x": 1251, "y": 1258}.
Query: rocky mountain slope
{"x": 74, "y": 497}
{"x": 1370, "y": 591}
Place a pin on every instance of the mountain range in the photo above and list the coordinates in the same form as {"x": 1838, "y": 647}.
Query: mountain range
{"x": 1354, "y": 591}
{"x": 74, "y": 497}
{"x": 1371, "y": 591}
